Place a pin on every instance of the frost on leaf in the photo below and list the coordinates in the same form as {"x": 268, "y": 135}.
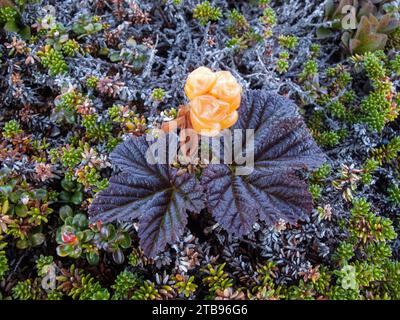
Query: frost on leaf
{"x": 154, "y": 194}
{"x": 273, "y": 191}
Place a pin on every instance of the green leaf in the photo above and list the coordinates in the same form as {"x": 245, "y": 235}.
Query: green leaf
{"x": 115, "y": 57}
{"x": 125, "y": 240}
{"x": 79, "y": 235}
{"x": 37, "y": 239}
{"x": 323, "y": 33}
{"x": 68, "y": 185}
{"x": 93, "y": 258}
{"x": 65, "y": 250}
{"x": 5, "y": 206}
{"x": 21, "y": 210}
{"x": 118, "y": 256}
{"x": 376, "y": 42}
{"x": 107, "y": 231}
{"x": 11, "y": 26}
{"x": 25, "y": 32}
{"x": 77, "y": 198}
{"x": 6, "y": 189}
{"x": 80, "y": 221}
{"x": 65, "y": 211}
{"x": 329, "y": 8}
{"x": 22, "y": 244}
{"x": 87, "y": 235}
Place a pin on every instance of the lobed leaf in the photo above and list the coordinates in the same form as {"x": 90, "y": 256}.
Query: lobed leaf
{"x": 160, "y": 198}
{"x": 282, "y": 144}
{"x": 154, "y": 194}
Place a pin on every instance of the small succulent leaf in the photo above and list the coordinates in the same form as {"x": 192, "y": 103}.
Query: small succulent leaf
{"x": 388, "y": 24}
{"x": 22, "y": 244}
{"x": 125, "y": 241}
{"x": 37, "y": 239}
{"x": 364, "y": 29}
{"x": 25, "y": 32}
{"x": 154, "y": 194}
{"x": 375, "y": 42}
{"x": 329, "y": 8}
{"x": 346, "y": 39}
{"x": 77, "y": 197}
{"x": 93, "y": 258}
{"x": 229, "y": 199}
{"x": 272, "y": 191}
{"x": 366, "y": 9}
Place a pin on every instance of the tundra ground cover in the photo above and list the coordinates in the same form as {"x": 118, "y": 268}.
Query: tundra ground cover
{"x": 78, "y": 78}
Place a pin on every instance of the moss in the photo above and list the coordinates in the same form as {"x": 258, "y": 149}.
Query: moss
{"x": 394, "y": 195}
{"x": 328, "y": 139}
{"x": 395, "y": 65}
{"x": 147, "y": 291}
{"x": 375, "y": 107}
{"x": 124, "y": 284}
{"x": 70, "y": 47}
{"x": 7, "y": 14}
{"x": 158, "y": 94}
{"x": 89, "y": 289}
{"x": 288, "y": 42}
{"x": 394, "y": 39}
{"x": 3, "y": 264}
{"x": 310, "y": 70}
{"x": 24, "y": 290}
{"x": 282, "y": 66}
{"x": 205, "y": 12}
{"x": 53, "y": 60}
{"x": 374, "y": 66}
{"x": 269, "y": 17}
{"x": 315, "y": 191}
{"x": 11, "y": 129}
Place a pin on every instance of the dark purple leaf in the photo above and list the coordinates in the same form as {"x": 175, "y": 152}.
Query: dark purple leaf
{"x": 229, "y": 199}
{"x": 272, "y": 191}
{"x": 154, "y": 194}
